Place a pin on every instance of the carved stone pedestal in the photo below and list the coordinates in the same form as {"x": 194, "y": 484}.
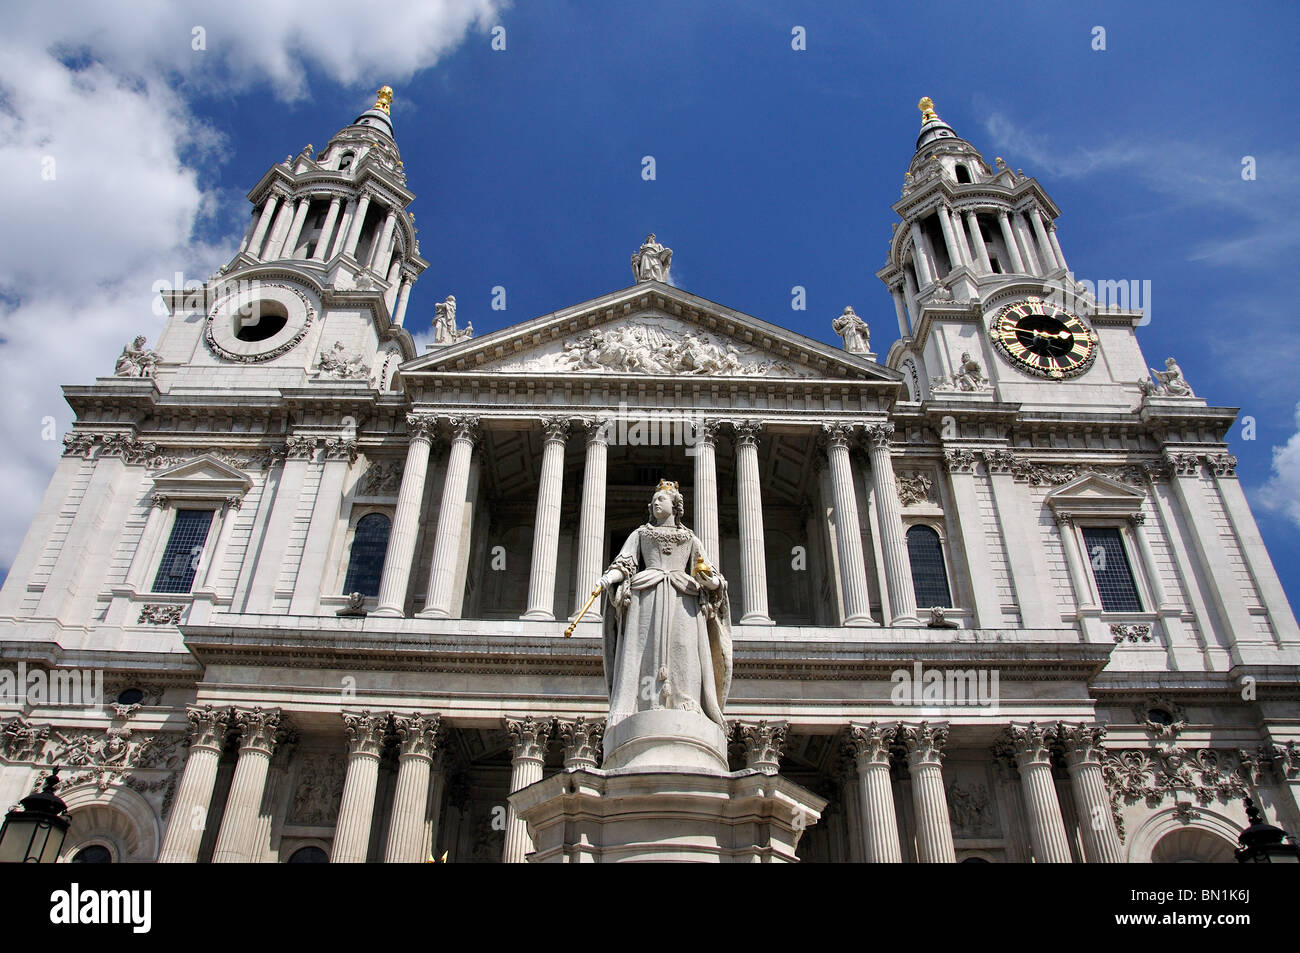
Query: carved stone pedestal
{"x": 649, "y": 740}
{"x": 591, "y": 815}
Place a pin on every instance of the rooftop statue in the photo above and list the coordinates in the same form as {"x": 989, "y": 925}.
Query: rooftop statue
{"x": 651, "y": 262}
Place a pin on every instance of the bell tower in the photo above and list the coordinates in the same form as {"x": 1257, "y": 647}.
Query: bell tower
{"x": 985, "y": 302}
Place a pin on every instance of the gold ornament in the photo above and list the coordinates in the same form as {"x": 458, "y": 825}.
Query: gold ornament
{"x": 926, "y": 105}
{"x": 385, "y": 99}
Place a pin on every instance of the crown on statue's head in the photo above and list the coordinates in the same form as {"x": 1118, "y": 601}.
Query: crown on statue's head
{"x": 666, "y": 485}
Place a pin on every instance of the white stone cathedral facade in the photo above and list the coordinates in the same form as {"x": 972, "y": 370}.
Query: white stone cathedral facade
{"x": 998, "y": 597}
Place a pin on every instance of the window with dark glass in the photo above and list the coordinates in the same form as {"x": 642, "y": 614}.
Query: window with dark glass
{"x": 181, "y": 557}
{"x": 94, "y": 854}
{"x": 366, "y": 565}
{"x": 309, "y": 855}
{"x": 929, "y": 577}
{"x": 1111, "y": 570}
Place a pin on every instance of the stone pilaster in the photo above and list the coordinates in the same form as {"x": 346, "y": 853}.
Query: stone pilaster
{"x": 406, "y": 519}
{"x": 581, "y": 740}
{"x": 753, "y": 559}
{"x": 546, "y": 527}
{"x": 357, "y": 809}
{"x": 871, "y": 744}
{"x": 417, "y": 744}
{"x": 189, "y": 815}
{"x": 529, "y": 737}
{"x": 898, "y": 567}
{"x": 848, "y": 532}
{"x": 924, "y": 743}
{"x": 451, "y": 517}
{"x": 235, "y": 839}
{"x": 1028, "y": 745}
{"x": 1082, "y": 744}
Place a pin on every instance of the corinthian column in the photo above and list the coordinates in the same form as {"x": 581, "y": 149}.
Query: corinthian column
{"x": 764, "y": 741}
{"x": 406, "y": 520}
{"x": 898, "y": 567}
{"x": 591, "y": 524}
{"x": 451, "y": 516}
{"x": 357, "y": 808}
{"x": 875, "y": 792}
{"x": 706, "y": 487}
{"x": 753, "y": 558}
{"x": 1028, "y": 744}
{"x": 189, "y": 817}
{"x": 546, "y": 527}
{"x": 235, "y": 840}
{"x": 417, "y": 744}
{"x": 528, "y": 753}
{"x": 848, "y": 531}
{"x": 924, "y": 756}
{"x": 1096, "y": 823}
{"x": 581, "y": 739}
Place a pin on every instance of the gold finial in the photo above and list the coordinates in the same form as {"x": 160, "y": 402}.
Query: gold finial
{"x": 385, "y": 99}
{"x": 926, "y": 105}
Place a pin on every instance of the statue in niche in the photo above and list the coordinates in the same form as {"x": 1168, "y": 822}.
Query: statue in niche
{"x": 667, "y": 619}
{"x": 137, "y": 360}
{"x": 1167, "y": 383}
{"x": 854, "y": 331}
{"x": 652, "y": 261}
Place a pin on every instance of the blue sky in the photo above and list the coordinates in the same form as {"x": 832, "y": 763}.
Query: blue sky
{"x": 775, "y": 168}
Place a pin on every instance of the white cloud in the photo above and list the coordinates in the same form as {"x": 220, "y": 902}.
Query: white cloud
{"x": 98, "y": 97}
{"x": 1281, "y": 494}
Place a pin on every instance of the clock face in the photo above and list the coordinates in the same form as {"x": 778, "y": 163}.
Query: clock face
{"x": 1042, "y": 339}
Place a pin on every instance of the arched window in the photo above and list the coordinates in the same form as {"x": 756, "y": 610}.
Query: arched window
{"x": 93, "y": 854}
{"x": 309, "y": 855}
{"x": 345, "y": 161}
{"x": 963, "y": 174}
{"x": 366, "y": 565}
{"x": 929, "y": 577}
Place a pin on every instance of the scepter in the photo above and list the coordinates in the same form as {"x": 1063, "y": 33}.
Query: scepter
{"x": 568, "y": 633}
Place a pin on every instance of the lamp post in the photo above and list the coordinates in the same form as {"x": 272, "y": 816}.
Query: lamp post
{"x": 34, "y": 834}
{"x": 1261, "y": 842}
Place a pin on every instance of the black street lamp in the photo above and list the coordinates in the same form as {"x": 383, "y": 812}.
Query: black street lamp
{"x": 34, "y": 834}
{"x": 1261, "y": 843}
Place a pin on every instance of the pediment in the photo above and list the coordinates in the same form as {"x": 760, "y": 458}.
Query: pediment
{"x": 1094, "y": 493}
{"x": 652, "y": 330}
{"x": 204, "y": 477}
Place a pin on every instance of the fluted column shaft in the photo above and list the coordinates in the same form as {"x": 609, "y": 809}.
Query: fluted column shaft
{"x": 451, "y": 515}
{"x": 295, "y": 228}
{"x": 399, "y": 310}
{"x": 357, "y": 807}
{"x": 1056, "y": 245}
{"x": 546, "y": 526}
{"x": 955, "y": 258}
{"x": 876, "y": 793}
{"x": 900, "y": 311}
{"x": 382, "y": 241}
{"x": 977, "y": 243}
{"x": 591, "y": 522}
{"x": 848, "y": 531}
{"x": 406, "y": 519}
{"x": 930, "y": 802}
{"x": 753, "y": 557}
{"x": 254, "y": 245}
{"x": 1029, "y": 745}
{"x": 275, "y": 238}
{"x": 706, "y": 487}
{"x": 893, "y": 544}
{"x": 1027, "y": 251}
{"x": 1046, "y": 254}
{"x": 417, "y": 746}
{"x": 358, "y": 221}
{"x": 235, "y": 839}
{"x": 1009, "y": 239}
{"x": 925, "y": 272}
{"x": 345, "y": 226}
{"x": 327, "y": 229}
{"x": 528, "y": 755}
{"x": 1101, "y": 844}
{"x": 189, "y": 816}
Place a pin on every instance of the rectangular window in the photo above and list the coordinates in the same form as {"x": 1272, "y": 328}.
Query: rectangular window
{"x": 1110, "y": 568}
{"x": 181, "y": 558}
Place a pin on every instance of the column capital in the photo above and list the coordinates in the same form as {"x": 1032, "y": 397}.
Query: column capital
{"x": 259, "y": 728}
{"x": 764, "y": 742}
{"x": 300, "y": 446}
{"x": 341, "y": 448}
{"x": 999, "y": 461}
{"x": 1182, "y": 464}
{"x": 878, "y": 435}
{"x": 706, "y": 431}
{"x": 581, "y": 738}
{"x": 1223, "y": 464}
{"x": 555, "y": 429}
{"x": 208, "y": 726}
{"x": 597, "y": 427}
{"x": 924, "y": 742}
{"x": 366, "y": 731}
{"x": 1063, "y": 519}
{"x": 838, "y": 435}
{"x": 870, "y": 744}
{"x": 417, "y": 735}
{"x": 747, "y": 432}
{"x": 529, "y": 737}
{"x": 466, "y": 427}
{"x": 422, "y": 427}
{"x": 1081, "y": 742}
{"x": 1027, "y": 744}
{"x": 1136, "y": 519}
{"x": 959, "y": 461}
